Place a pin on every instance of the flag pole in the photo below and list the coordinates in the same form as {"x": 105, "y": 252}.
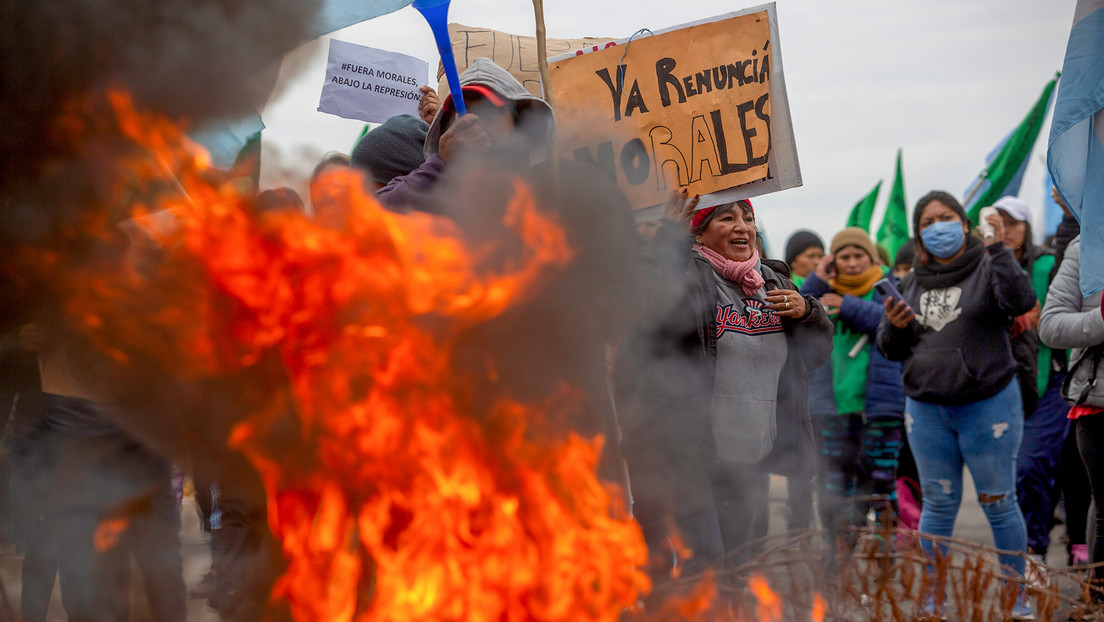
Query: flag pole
{"x": 974, "y": 190}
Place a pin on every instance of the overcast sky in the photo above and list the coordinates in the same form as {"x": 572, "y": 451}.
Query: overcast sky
{"x": 943, "y": 79}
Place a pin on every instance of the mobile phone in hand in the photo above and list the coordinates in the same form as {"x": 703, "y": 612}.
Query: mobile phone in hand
{"x": 887, "y": 289}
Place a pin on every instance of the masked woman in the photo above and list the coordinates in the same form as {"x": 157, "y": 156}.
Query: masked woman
{"x": 963, "y": 400}
{"x": 856, "y": 398}
{"x": 721, "y": 397}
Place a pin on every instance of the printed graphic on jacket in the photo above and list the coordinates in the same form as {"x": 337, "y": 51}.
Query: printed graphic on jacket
{"x": 939, "y": 307}
{"x": 757, "y": 319}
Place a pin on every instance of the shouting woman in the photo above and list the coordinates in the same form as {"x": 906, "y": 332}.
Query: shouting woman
{"x": 721, "y": 397}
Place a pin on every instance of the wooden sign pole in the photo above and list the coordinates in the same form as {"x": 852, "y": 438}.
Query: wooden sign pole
{"x": 542, "y": 53}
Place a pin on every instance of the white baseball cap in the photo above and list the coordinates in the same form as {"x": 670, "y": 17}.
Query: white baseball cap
{"x": 1015, "y": 208}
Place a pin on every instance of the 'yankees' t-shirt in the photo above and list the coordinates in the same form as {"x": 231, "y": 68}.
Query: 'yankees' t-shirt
{"x": 751, "y": 351}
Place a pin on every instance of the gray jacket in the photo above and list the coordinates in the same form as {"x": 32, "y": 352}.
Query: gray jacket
{"x": 1070, "y": 320}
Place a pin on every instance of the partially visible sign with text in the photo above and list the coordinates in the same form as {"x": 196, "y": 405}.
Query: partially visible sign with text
{"x": 514, "y": 53}
{"x": 702, "y": 106}
{"x": 371, "y": 85}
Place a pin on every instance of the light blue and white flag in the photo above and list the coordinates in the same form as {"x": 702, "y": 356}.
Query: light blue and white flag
{"x": 1075, "y": 155}
{"x": 1051, "y": 209}
{"x": 337, "y": 14}
{"x": 224, "y": 139}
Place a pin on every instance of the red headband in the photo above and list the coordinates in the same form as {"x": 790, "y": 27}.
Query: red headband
{"x": 702, "y": 214}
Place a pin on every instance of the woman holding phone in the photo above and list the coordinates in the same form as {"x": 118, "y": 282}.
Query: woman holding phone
{"x": 962, "y": 400}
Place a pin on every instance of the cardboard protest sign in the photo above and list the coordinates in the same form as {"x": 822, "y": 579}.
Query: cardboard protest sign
{"x": 514, "y": 53}
{"x": 700, "y": 106}
{"x": 371, "y": 85}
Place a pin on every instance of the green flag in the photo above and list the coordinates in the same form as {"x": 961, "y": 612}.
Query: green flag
{"x": 894, "y": 231}
{"x": 1004, "y": 172}
{"x": 864, "y": 209}
{"x": 363, "y": 132}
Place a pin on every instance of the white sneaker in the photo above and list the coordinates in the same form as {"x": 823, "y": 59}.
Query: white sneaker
{"x": 1021, "y": 610}
{"x": 1035, "y": 573}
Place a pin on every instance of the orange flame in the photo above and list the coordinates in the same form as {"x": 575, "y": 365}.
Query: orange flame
{"x": 397, "y": 504}
{"x": 770, "y": 604}
{"x": 820, "y": 608}
{"x": 108, "y": 532}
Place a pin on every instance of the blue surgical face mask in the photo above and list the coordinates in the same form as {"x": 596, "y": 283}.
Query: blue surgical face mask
{"x": 943, "y": 238}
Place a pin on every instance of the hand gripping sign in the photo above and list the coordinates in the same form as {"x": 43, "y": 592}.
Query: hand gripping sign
{"x": 700, "y": 106}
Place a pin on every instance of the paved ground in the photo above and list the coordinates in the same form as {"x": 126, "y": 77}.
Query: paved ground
{"x": 971, "y": 525}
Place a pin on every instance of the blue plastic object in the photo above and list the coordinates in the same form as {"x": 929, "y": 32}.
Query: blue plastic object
{"x": 436, "y": 13}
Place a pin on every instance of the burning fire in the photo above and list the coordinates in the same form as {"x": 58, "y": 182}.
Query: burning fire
{"x": 770, "y": 604}
{"x": 820, "y": 608}
{"x": 392, "y": 501}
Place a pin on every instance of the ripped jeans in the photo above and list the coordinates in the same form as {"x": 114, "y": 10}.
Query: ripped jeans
{"x": 985, "y": 435}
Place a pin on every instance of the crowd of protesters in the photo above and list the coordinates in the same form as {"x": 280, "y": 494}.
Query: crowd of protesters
{"x": 706, "y": 365}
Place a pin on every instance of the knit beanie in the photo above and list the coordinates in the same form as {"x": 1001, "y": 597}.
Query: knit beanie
{"x": 855, "y": 236}
{"x": 800, "y": 242}
{"x": 393, "y": 149}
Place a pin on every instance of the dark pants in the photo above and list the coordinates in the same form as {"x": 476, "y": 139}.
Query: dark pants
{"x": 1073, "y": 480}
{"x": 709, "y": 510}
{"x": 858, "y": 468}
{"x": 109, "y": 498}
{"x": 95, "y": 581}
{"x": 26, "y": 441}
{"x": 244, "y": 556}
{"x": 739, "y": 491}
{"x": 202, "y": 485}
{"x": 1037, "y": 464}
{"x": 40, "y": 568}
{"x": 1090, "y": 442}
{"x": 799, "y": 503}
{"x": 673, "y": 503}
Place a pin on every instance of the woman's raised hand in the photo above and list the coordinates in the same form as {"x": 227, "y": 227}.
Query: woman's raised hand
{"x": 680, "y": 208}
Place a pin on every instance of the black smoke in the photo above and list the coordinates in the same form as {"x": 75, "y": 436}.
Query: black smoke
{"x": 189, "y": 59}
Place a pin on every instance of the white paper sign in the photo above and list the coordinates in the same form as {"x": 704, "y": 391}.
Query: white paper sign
{"x": 371, "y": 85}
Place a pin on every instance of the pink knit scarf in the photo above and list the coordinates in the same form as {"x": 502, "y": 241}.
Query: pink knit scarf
{"x": 740, "y": 272}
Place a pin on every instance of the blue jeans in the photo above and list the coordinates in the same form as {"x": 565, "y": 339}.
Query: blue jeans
{"x": 1044, "y": 437}
{"x": 985, "y": 435}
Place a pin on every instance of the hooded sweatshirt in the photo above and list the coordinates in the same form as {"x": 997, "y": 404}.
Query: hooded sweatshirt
{"x": 534, "y": 121}
{"x": 751, "y": 353}
{"x": 957, "y": 350}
